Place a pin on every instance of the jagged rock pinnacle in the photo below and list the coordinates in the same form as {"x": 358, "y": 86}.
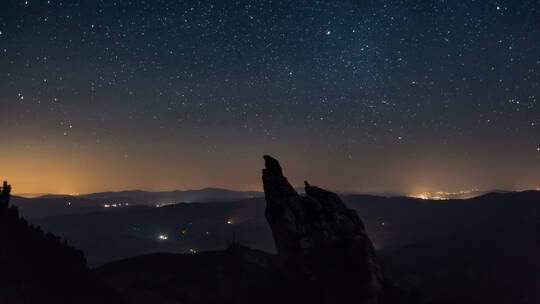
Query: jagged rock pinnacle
{"x": 272, "y": 165}
{"x": 320, "y": 241}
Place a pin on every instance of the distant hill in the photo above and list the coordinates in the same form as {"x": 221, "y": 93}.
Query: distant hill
{"x": 187, "y": 196}
{"x": 34, "y": 195}
{"x": 50, "y": 196}
{"x": 58, "y": 204}
{"x": 49, "y": 205}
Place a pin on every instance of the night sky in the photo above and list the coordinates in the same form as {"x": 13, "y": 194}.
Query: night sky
{"x": 366, "y": 96}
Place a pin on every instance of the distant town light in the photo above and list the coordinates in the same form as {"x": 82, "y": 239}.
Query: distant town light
{"x": 229, "y": 222}
{"x": 115, "y": 205}
{"x": 423, "y": 196}
{"x": 192, "y": 250}
{"x": 158, "y": 205}
{"x": 163, "y": 237}
{"x": 442, "y": 195}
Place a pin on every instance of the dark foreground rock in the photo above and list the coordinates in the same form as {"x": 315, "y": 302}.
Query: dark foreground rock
{"x": 321, "y": 243}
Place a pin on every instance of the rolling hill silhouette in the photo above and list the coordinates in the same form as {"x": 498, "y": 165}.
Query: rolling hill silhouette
{"x": 53, "y": 204}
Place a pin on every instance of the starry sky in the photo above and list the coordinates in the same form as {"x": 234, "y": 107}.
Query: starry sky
{"x": 364, "y": 96}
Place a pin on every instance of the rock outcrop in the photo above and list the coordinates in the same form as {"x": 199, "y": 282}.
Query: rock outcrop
{"x": 321, "y": 243}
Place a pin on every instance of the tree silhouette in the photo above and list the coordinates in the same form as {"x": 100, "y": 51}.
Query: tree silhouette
{"x": 39, "y": 267}
{"x": 5, "y": 191}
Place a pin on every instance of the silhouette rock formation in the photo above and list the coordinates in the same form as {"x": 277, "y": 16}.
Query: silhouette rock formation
{"x": 320, "y": 241}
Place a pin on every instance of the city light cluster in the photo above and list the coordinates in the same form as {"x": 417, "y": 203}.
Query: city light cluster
{"x": 115, "y": 205}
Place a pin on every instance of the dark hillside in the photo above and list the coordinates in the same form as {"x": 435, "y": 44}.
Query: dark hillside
{"x": 39, "y": 267}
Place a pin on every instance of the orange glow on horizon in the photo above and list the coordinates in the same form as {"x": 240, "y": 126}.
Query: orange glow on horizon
{"x": 67, "y": 169}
